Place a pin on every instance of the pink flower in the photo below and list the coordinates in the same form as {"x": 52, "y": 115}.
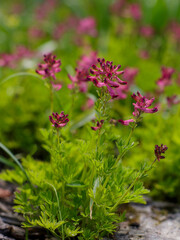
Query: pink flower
{"x": 86, "y": 61}
{"x": 121, "y": 91}
{"x": 130, "y": 74}
{"x": 147, "y": 31}
{"x": 118, "y": 6}
{"x": 98, "y": 125}
{"x": 59, "y": 120}
{"x": 50, "y": 67}
{"x": 7, "y": 60}
{"x": 175, "y": 29}
{"x": 165, "y": 79}
{"x": 106, "y": 76}
{"x": 126, "y": 122}
{"x": 11, "y": 60}
{"x": 87, "y": 26}
{"x": 35, "y": 33}
{"x": 135, "y": 11}
{"x": 22, "y": 52}
{"x": 82, "y": 72}
{"x": 45, "y": 8}
{"x": 80, "y": 80}
{"x": 141, "y": 106}
{"x": 159, "y": 150}
{"x": 172, "y": 100}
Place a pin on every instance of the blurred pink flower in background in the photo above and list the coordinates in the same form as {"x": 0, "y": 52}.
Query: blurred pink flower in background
{"x": 45, "y": 8}
{"x": 11, "y": 59}
{"x": 147, "y": 31}
{"x": 87, "y": 26}
{"x": 135, "y": 11}
{"x": 79, "y": 80}
{"x": 118, "y": 6}
{"x": 7, "y": 60}
{"x": 174, "y": 28}
{"x": 82, "y": 72}
{"x": 23, "y": 52}
{"x": 165, "y": 79}
{"x": 86, "y": 61}
{"x": 35, "y": 32}
{"x": 129, "y": 74}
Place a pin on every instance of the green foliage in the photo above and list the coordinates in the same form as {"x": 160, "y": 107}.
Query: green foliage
{"x": 164, "y": 180}
{"x": 75, "y": 187}
{"x": 77, "y": 192}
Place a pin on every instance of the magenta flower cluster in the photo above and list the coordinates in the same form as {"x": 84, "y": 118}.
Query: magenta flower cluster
{"x": 50, "y": 67}
{"x": 141, "y": 106}
{"x": 59, "y": 120}
{"x": 107, "y": 76}
{"x": 159, "y": 150}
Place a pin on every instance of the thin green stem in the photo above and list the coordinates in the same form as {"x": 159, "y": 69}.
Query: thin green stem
{"x": 74, "y": 91}
{"x": 131, "y": 132}
{"x": 58, "y": 137}
{"x": 98, "y": 142}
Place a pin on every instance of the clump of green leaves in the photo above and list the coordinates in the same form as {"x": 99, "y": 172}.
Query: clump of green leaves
{"x": 77, "y": 192}
{"x": 71, "y": 195}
